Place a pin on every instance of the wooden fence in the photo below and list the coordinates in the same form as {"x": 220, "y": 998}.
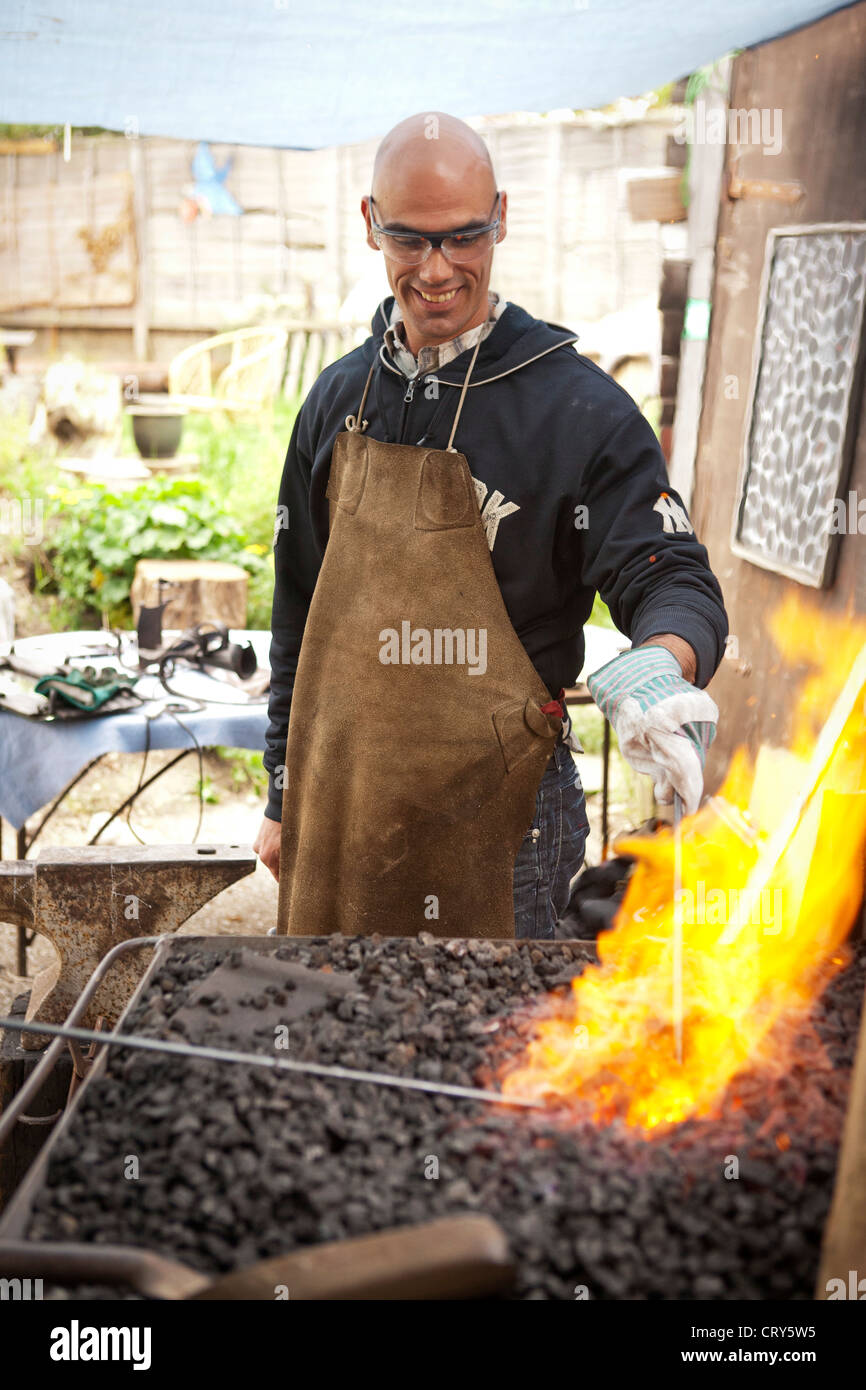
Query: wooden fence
{"x": 99, "y": 243}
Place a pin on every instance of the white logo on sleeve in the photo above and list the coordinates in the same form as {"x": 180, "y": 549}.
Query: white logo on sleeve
{"x": 674, "y": 517}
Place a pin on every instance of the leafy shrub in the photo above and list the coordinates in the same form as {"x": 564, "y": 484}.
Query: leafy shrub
{"x": 96, "y": 537}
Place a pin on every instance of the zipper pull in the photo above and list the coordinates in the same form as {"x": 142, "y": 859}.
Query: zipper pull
{"x": 410, "y": 391}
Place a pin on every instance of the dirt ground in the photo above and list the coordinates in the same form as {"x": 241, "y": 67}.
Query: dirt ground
{"x": 167, "y": 813}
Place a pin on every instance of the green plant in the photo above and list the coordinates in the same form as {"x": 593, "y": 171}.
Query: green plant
{"x": 246, "y": 769}
{"x": 205, "y": 791}
{"x": 241, "y": 463}
{"x": 96, "y": 538}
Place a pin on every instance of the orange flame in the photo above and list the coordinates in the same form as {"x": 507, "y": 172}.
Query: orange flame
{"x": 763, "y": 912}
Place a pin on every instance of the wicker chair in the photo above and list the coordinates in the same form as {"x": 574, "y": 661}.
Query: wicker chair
{"x": 244, "y": 384}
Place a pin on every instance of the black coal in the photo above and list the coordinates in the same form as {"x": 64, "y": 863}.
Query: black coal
{"x": 236, "y": 1164}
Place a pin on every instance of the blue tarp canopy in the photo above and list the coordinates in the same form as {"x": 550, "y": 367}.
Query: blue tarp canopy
{"x": 294, "y": 73}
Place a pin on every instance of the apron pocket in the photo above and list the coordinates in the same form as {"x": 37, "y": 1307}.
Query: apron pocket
{"x": 348, "y": 475}
{"x": 519, "y": 725}
{"x": 446, "y": 496}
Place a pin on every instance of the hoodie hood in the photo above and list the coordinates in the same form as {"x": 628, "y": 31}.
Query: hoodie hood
{"x": 515, "y": 340}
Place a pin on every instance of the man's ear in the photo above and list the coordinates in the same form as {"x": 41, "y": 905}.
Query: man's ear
{"x": 503, "y": 208}
{"x": 365, "y": 211}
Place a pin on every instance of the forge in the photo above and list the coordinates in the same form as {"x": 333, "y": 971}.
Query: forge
{"x": 667, "y": 1113}
{"x": 235, "y": 1165}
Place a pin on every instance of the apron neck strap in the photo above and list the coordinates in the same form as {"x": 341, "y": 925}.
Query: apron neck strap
{"x": 356, "y": 424}
{"x": 463, "y": 389}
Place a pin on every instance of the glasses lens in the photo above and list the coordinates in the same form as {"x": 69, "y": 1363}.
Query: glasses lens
{"x": 467, "y": 245}
{"x": 409, "y": 250}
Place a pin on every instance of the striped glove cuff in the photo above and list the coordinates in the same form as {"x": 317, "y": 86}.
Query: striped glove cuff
{"x": 650, "y": 677}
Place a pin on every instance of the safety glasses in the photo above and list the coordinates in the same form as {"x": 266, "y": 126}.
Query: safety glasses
{"x": 413, "y": 248}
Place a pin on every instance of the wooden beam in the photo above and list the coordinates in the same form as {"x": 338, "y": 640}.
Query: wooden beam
{"x": 672, "y": 332}
{"x": 675, "y": 284}
{"x": 676, "y": 154}
{"x": 34, "y": 145}
{"x": 657, "y": 198}
{"x": 844, "y": 1244}
{"x": 141, "y": 306}
{"x": 670, "y": 370}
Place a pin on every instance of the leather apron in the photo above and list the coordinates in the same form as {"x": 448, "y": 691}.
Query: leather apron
{"x": 411, "y": 780}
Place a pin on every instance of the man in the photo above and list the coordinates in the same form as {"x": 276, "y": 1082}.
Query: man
{"x": 573, "y": 498}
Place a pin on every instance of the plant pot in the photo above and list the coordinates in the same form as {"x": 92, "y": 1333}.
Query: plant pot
{"x": 157, "y": 426}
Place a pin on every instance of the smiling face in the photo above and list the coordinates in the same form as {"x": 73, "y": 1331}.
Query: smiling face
{"x": 443, "y": 184}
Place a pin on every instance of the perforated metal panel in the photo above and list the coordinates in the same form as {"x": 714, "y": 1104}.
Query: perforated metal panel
{"x": 804, "y": 399}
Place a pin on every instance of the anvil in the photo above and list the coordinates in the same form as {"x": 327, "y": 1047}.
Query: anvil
{"x": 87, "y": 900}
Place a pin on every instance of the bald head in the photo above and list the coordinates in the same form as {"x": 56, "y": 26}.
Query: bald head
{"x": 432, "y": 174}
{"x": 436, "y": 147}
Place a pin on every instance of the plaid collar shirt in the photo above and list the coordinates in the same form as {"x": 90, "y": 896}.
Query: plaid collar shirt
{"x": 433, "y": 359}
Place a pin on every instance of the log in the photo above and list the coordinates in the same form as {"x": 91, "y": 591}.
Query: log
{"x": 206, "y": 591}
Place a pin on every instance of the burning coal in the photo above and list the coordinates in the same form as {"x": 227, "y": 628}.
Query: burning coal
{"x": 772, "y": 880}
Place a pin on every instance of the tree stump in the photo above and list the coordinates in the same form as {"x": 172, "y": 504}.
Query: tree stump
{"x": 204, "y": 591}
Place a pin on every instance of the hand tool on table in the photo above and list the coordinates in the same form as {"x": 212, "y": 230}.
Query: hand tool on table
{"x": 455, "y": 1257}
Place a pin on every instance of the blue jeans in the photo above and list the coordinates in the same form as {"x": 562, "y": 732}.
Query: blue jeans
{"x": 552, "y": 849}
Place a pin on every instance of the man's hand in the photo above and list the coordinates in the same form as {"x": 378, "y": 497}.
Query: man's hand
{"x": 663, "y": 723}
{"x": 267, "y": 845}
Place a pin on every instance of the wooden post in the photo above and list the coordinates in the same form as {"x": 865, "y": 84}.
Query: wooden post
{"x": 554, "y": 238}
{"x": 281, "y": 279}
{"x": 141, "y": 307}
{"x": 705, "y": 186}
{"x": 340, "y": 200}
{"x": 844, "y": 1247}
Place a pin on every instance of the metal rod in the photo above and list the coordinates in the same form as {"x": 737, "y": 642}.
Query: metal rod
{"x": 605, "y": 789}
{"x": 255, "y": 1059}
{"x": 45, "y": 1066}
{"x": 678, "y": 926}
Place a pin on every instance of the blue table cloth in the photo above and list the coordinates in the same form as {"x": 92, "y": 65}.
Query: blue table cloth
{"x": 37, "y": 760}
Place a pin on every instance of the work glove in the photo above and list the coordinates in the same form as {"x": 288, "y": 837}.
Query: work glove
{"x": 663, "y": 724}
{"x": 88, "y": 689}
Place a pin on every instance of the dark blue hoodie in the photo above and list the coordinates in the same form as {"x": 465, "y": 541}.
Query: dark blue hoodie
{"x": 571, "y": 483}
